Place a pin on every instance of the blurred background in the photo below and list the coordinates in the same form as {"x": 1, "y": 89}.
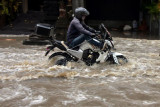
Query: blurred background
{"x": 117, "y": 15}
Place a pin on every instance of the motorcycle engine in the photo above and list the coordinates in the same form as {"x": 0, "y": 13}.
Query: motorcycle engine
{"x": 89, "y": 57}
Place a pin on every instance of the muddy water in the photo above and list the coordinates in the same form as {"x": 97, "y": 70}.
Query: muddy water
{"x": 27, "y": 79}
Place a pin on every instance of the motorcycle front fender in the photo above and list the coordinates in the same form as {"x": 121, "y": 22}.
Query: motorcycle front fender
{"x": 115, "y": 56}
{"x": 49, "y": 48}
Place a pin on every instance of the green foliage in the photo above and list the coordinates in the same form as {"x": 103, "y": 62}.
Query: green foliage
{"x": 8, "y": 7}
{"x": 153, "y": 10}
{"x": 3, "y": 8}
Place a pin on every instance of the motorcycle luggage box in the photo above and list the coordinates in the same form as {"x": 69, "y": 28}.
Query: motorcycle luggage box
{"x": 43, "y": 29}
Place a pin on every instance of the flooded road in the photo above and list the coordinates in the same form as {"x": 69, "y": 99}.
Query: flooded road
{"x": 27, "y": 79}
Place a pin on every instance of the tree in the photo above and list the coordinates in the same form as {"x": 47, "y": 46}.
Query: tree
{"x": 9, "y": 8}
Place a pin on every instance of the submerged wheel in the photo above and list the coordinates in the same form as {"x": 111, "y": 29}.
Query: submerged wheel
{"x": 58, "y": 60}
{"x": 62, "y": 61}
{"x": 122, "y": 60}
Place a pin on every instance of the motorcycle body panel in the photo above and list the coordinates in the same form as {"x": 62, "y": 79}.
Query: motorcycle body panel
{"x": 102, "y": 57}
{"x": 75, "y": 53}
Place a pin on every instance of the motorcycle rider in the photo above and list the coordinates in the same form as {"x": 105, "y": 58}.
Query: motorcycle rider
{"x": 78, "y": 31}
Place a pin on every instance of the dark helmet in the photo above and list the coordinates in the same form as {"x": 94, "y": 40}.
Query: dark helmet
{"x": 80, "y": 11}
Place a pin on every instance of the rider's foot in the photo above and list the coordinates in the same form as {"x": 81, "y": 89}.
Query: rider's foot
{"x": 104, "y": 45}
{"x": 62, "y": 42}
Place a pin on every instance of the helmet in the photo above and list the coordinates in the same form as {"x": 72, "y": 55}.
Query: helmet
{"x": 80, "y": 11}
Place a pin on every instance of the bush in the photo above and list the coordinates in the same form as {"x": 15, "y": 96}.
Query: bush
{"x": 9, "y": 8}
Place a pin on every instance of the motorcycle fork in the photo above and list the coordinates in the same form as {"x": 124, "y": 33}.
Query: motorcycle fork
{"x": 115, "y": 58}
{"x": 112, "y": 57}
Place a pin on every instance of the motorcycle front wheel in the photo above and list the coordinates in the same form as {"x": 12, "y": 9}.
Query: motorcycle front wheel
{"x": 122, "y": 60}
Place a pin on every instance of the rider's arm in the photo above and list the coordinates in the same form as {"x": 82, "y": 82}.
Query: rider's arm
{"x": 88, "y": 28}
{"x": 81, "y": 29}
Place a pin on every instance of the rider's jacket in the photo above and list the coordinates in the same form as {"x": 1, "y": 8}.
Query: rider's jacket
{"x": 76, "y": 28}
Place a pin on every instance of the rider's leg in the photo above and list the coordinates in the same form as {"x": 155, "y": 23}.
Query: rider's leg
{"x": 91, "y": 40}
{"x": 77, "y": 41}
{"x": 94, "y": 41}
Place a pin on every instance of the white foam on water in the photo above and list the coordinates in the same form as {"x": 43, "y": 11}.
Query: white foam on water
{"x": 79, "y": 96}
{"x": 75, "y": 97}
{"x": 8, "y": 94}
{"x": 37, "y": 100}
{"x": 13, "y": 92}
{"x": 149, "y": 103}
{"x": 23, "y": 94}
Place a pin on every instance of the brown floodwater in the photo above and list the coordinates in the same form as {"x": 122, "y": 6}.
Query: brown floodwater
{"x": 28, "y": 79}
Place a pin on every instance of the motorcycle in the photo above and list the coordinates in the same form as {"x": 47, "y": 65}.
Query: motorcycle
{"x": 86, "y": 52}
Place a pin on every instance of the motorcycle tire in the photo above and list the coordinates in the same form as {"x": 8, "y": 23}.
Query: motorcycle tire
{"x": 59, "y": 58}
{"x": 61, "y": 62}
{"x": 122, "y": 60}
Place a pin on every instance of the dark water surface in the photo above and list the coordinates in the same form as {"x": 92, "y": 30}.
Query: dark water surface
{"x": 28, "y": 79}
